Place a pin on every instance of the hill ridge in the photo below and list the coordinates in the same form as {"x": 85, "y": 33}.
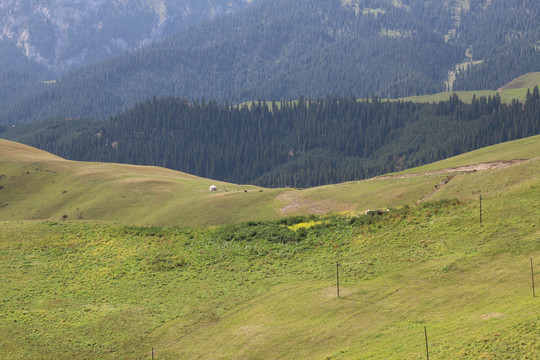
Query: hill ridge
{"x": 48, "y": 187}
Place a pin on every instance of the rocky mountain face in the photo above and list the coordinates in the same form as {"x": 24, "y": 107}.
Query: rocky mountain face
{"x": 59, "y": 35}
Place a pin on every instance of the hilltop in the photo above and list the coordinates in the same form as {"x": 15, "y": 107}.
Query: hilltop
{"x": 37, "y": 185}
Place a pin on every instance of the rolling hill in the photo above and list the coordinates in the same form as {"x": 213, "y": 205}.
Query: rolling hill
{"x": 128, "y": 194}
{"x": 40, "y": 186}
{"x": 80, "y": 289}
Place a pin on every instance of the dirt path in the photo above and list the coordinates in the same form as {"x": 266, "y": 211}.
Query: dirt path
{"x": 460, "y": 169}
{"x": 293, "y": 202}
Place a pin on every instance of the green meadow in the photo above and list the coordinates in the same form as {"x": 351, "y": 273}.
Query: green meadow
{"x": 39, "y": 186}
{"x": 148, "y": 258}
{"x": 514, "y": 90}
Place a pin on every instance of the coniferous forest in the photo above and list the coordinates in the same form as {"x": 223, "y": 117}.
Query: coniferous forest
{"x": 299, "y": 144}
{"x": 281, "y": 49}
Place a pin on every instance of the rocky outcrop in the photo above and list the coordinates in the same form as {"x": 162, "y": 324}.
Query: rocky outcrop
{"x": 62, "y": 35}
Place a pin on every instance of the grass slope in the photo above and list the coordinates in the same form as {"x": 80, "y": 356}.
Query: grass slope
{"x": 80, "y": 290}
{"x": 514, "y": 90}
{"x": 39, "y": 186}
{"x": 526, "y": 81}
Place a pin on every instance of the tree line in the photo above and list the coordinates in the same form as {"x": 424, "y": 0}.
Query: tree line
{"x": 298, "y": 144}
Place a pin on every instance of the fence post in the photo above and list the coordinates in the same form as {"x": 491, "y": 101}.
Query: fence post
{"x": 427, "y": 348}
{"x": 480, "y": 210}
{"x": 337, "y": 277}
{"x": 532, "y": 277}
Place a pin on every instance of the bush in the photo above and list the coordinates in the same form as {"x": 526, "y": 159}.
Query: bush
{"x": 271, "y": 232}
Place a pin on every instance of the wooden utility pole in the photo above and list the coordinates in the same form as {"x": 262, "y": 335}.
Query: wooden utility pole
{"x": 427, "y": 348}
{"x": 152, "y": 353}
{"x": 480, "y": 210}
{"x": 337, "y": 277}
{"x": 532, "y": 277}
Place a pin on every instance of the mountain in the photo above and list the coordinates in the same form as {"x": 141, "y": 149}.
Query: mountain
{"x": 508, "y": 46}
{"x": 282, "y": 49}
{"x": 57, "y": 36}
{"x": 41, "y": 41}
{"x": 297, "y": 144}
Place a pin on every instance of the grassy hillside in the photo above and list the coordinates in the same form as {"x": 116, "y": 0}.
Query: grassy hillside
{"x": 39, "y": 186}
{"x": 516, "y": 89}
{"x": 526, "y": 81}
{"x": 86, "y": 290}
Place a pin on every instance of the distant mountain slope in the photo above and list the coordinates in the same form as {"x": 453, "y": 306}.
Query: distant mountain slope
{"x": 523, "y": 82}
{"x": 282, "y": 49}
{"x": 59, "y": 35}
{"x": 505, "y": 35}
{"x": 43, "y": 40}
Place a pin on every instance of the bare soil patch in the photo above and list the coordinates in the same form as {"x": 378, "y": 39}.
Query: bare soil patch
{"x": 460, "y": 169}
{"x": 493, "y": 315}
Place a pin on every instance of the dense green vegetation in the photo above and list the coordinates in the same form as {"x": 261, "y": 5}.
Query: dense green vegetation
{"x": 302, "y": 144}
{"x": 281, "y": 49}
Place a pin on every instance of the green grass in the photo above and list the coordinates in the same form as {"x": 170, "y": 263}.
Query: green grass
{"x": 466, "y": 96}
{"x": 39, "y": 186}
{"x": 528, "y": 148}
{"x": 85, "y": 290}
{"x": 526, "y": 81}
{"x": 89, "y": 289}
{"x": 516, "y": 89}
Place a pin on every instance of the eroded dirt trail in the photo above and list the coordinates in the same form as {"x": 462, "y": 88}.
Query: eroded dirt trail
{"x": 460, "y": 169}
{"x": 293, "y": 201}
